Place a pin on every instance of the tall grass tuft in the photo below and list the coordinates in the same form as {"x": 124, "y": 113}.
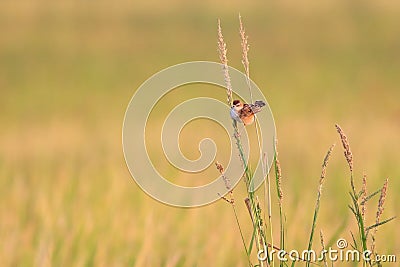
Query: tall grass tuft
{"x": 358, "y": 205}
{"x": 251, "y": 201}
{"x": 259, "y": 225}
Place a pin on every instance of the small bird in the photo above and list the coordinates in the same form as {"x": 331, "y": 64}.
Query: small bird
{"x": 243, "y": 112}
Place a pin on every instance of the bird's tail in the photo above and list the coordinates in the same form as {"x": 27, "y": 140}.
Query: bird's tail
{"x": 257, "y": 106}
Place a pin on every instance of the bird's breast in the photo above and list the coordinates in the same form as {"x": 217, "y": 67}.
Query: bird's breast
{"x": 235, "y": 115}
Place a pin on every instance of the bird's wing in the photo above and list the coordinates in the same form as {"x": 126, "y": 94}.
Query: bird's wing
{"x": 246, "y": 111}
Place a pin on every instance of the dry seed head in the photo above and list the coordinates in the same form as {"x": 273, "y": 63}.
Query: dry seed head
{"x": 222, "y": 45}
{"x": 326, "y": 160}
{"x": 381, "y": 202}
{"x": 323, "y": 172}
{"x": 347, "y": 152}
{"x": 278, "y": 172}
{"x": 279, "y": 179}
{"x": 245, "y": 48}
{"x": 220, "y": 168}
{"x": 222, "y": 50}
{"x": 248, "y": 206}
{"x": 321, "y": 235}
{"x": 364, "y": 196}
{"x": 379, "y": 213}
{"x": 245, "y": 59}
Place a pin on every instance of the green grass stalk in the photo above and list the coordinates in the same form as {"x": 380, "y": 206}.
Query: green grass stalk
{"x": 317, "y": 205}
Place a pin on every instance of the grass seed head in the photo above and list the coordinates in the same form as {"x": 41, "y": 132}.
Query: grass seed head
{"x": 364, "y": 196}
{"x": 347, "y": 152}
{"x": 381, "y": 202}
{"x": 222, "y": 50}
{"x": 245, "y": 47}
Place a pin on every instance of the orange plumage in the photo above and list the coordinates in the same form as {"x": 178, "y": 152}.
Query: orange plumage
{"x": 243, "y": 112}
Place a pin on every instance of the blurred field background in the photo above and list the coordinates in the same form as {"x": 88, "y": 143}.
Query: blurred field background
{"x": 69, "y": 68}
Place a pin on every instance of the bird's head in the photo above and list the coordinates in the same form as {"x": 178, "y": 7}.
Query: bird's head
{"x": 237, "y": 104}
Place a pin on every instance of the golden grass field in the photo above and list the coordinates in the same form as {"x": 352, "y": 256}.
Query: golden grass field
{"x": 69, "y": 68}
